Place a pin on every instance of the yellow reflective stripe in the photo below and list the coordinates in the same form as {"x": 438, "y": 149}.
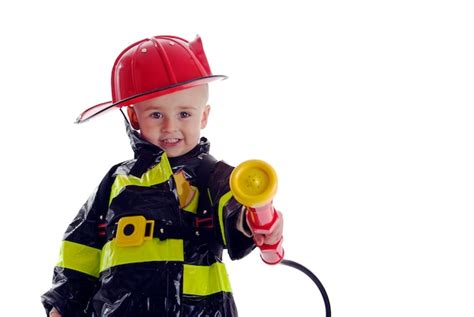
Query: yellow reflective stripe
{"x": 205, "y": 280}
{"x": 150, "y": 250}
{"x": 160, "y": 173}
{"x": 222, "y": 202}
{"x": 79, "y": 257}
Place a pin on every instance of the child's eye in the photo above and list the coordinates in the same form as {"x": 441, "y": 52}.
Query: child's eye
{"x": 184, "y": 114}
{"x": 156, "y": 115}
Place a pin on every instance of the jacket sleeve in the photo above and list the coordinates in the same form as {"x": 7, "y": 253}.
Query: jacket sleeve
{"x": 76, "y": 274}
{"x": 229, "y": 213}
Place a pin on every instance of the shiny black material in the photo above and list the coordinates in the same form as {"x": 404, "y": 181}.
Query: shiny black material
{"x": 150, "y": 288}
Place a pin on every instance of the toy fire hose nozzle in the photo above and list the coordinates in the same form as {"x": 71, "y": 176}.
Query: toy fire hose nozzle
{"x": 254, "y": 184}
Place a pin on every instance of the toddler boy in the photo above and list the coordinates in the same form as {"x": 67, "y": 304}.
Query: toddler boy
{"x": 149, "y": 240}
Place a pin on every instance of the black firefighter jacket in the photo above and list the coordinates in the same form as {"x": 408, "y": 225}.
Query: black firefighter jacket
{"x": 136, "y": 248}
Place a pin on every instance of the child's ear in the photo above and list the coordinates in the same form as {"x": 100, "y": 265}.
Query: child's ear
{"x": 205, "y": 116}
{"x": 133, "y": 118}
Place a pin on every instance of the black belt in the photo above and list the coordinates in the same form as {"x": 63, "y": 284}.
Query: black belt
{"x": 134, "y": 230}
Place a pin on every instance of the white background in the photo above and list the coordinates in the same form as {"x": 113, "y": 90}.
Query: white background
{"x": 365, "y": 109}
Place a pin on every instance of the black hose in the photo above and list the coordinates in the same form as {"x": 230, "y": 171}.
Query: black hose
{"x": 316, "y": 281}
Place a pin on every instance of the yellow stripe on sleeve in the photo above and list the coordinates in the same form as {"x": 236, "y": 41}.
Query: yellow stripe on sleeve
{"x": 222, "y": 202}
{"x": 79, "y": 257}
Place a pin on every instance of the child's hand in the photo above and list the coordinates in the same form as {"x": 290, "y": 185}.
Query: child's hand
{"x": 54, "y": 313}
{"x": 271, "y": 236}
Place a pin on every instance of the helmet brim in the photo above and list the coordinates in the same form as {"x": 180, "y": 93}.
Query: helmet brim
{"x": 109, "y": 105}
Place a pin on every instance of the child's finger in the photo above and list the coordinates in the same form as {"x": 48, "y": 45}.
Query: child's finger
{"x": 259, "y": 239}
{"x": 276, "y": 233}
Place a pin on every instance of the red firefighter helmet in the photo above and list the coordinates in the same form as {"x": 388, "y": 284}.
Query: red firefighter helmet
{"x": 154, "y": 67}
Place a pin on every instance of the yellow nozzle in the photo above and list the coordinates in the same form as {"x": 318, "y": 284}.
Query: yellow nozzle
{"x": 253, "y": 183}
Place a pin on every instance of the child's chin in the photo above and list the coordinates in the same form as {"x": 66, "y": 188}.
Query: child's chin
{"x": 175, "y": 152}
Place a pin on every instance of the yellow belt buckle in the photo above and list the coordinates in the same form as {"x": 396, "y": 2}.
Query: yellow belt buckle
{"x": 131, "y": 231}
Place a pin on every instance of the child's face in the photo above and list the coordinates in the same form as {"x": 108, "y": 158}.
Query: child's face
{"x": 173, "y": 122}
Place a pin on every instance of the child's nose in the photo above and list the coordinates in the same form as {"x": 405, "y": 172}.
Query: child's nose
{"x": 169, "y": 125}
